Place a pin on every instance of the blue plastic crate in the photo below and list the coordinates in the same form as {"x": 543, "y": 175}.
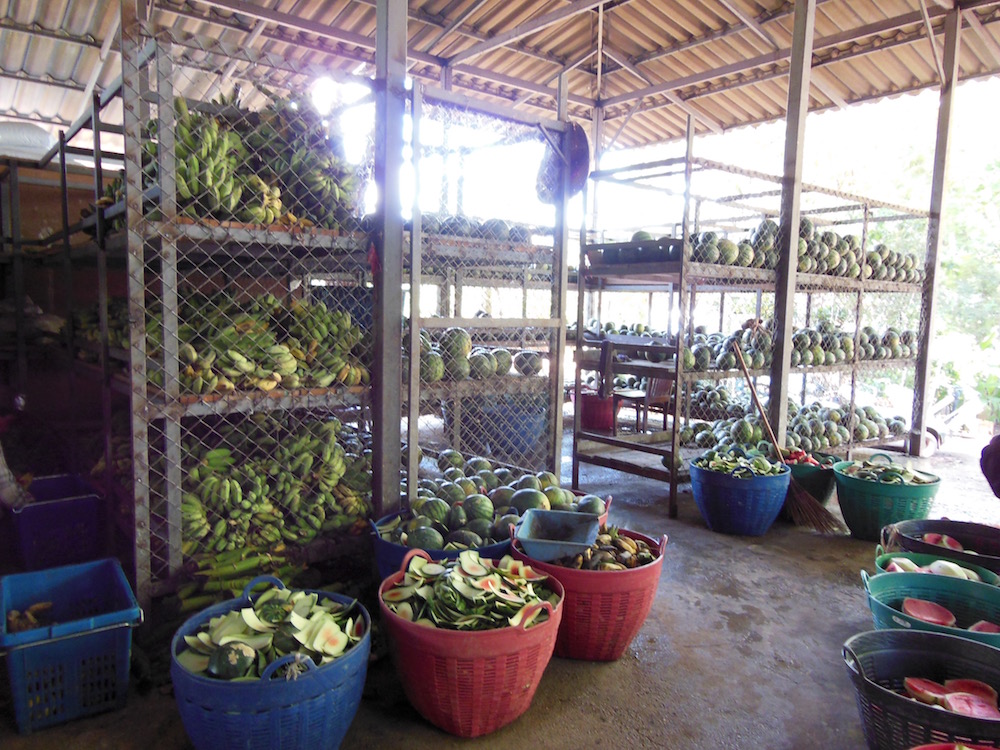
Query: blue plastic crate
{"x": 59, "y": 532}
{"x": 79, "y": 664}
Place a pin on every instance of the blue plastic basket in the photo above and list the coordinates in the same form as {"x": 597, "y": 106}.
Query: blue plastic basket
{"x": 79, "y": 665}
{"x": 312, "y": 711}
{"x": 59, "y": 532}
{"x": 389, "y": 555}
{"x": 731, "y": 505}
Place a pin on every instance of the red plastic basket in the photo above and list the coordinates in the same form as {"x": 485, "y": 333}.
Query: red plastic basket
{"x": 603, "y": 610}
{"x": 469, "y": 683}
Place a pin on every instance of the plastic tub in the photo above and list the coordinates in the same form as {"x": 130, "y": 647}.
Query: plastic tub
{"x": 877, "y": 661}
{"x": 59, "y": 532}
{"x": 79, "y": 665}
{"x": 867, "y": 506}
{"x": 969, "y": 601}
{"x": 982, "y": 540}
{"x": 389, "y": 556}
{"x": 551, "y": 534}
{"x": 59, "y": 487}
{"x": 596, "y": 413}
{"x": 730, "y": 505}
{"x": 882, "y": 559}
{"x": 469, "y": 683}
{"x": 603, "y": 609}
{"x": 313, "y": 711}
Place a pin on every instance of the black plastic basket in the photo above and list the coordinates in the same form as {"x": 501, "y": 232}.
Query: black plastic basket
{"x": 879, "y": 660}
{"x": 984, "y": 541}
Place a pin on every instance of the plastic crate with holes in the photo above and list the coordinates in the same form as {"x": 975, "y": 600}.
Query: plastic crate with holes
{"x": 67, "y": 636}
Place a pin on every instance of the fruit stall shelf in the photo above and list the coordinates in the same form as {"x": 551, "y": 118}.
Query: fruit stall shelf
{"x": 639, "y": 454}
{"x": 505, "y": 384}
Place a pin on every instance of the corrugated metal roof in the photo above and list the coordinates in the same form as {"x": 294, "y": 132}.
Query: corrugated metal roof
{"x": 645, "y": 64}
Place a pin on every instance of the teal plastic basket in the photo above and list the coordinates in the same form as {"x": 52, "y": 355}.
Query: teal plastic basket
{"x": 731, "y": 505}
{"x": 882, "y": 559}
{"x": 969, "y": 601}
{"x": 867, "y": 506}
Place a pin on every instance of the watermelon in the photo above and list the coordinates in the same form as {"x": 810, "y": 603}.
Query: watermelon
{"x": 478, "y": 506}
{"x": 984, "y": 626}
{"x": 923, "y": 690}
{"x": 976, "y": 687}
{"x": 455, "y": 343}
{"x": 431, "y": 367}
{"x": 425, "y": 538}
{"x": 436, "y": 509}
{"x": 969, "y": 704}
{"x": 930, "y": 612}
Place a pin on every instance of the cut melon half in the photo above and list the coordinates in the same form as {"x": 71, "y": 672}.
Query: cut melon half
{"x": 930, "y": 612}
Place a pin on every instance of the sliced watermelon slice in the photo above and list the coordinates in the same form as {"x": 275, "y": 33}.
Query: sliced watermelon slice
{"x": 931, "y": 612}
{"x": 923, "y": 690}
{"x": 976, "y": 687}
{"x": 984, "y": 626}
{"x": 968, "y": 704}
{"x": 932, "y": 537}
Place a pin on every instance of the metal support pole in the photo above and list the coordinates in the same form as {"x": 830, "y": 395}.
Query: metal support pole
{"x": 560, "y": 279}
{"x": 682, "y": 322}
{"x": 14, "y": 186}
{"x": 390, "y": 105}
{"x": 68, "y": 285}
{"x": 413, "y": 385}
{"x": 133, "y": 71}
{"x": 788, "y": 233}
{"x": 921, "y": 380}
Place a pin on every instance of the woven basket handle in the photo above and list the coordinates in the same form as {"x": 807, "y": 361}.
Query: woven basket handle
{"x": 890, "y": 538}
{"x": 886, "y": 456}
{"x": 416, "y": 552}
{"x": 248, "y": 589}
{"x": 274, "y": 666}
{"x": 851, "y": 659}
{"x": 530, "y": 611}
{"x": 663, "y": 545}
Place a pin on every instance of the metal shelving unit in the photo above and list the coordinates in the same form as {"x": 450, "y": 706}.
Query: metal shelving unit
{"x": 701, "y": 275}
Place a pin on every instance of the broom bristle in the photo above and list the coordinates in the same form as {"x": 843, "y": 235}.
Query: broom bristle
{"x": 806, "y": 510}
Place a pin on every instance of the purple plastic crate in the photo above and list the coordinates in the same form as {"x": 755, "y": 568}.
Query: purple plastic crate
{"x": 78, "y": 664}
{"x": 59, "y": 487}
{"x": 59, "y": 532}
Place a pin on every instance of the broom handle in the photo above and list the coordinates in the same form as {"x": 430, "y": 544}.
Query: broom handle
{"x": 756, "y": 400}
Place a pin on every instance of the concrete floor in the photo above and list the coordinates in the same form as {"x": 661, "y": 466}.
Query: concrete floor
{"x": 742, "y": 648}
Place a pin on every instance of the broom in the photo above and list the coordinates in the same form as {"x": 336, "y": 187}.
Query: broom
{"x": 805, "y": 509}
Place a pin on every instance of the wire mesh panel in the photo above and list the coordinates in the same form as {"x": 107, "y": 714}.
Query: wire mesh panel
{"x": 250, "y": 299}
{"x": 488, "y": 333}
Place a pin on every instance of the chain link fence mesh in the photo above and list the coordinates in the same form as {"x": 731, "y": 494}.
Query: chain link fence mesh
{"x": 249, "y": 314}
{"x": 488, "y": 333}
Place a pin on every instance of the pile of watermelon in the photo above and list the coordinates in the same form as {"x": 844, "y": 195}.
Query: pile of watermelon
{"x": 962, "y": 696}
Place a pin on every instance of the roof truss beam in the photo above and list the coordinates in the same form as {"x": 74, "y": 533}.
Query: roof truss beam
{"x": 522, "y": 30}
{"x": 781, "y": 55}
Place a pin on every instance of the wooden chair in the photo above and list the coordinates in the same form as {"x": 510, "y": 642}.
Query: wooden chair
{"x": 659, "y": 393}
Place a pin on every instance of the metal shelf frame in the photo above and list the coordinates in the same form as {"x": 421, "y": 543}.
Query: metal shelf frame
{"x": 686, "y": 277}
